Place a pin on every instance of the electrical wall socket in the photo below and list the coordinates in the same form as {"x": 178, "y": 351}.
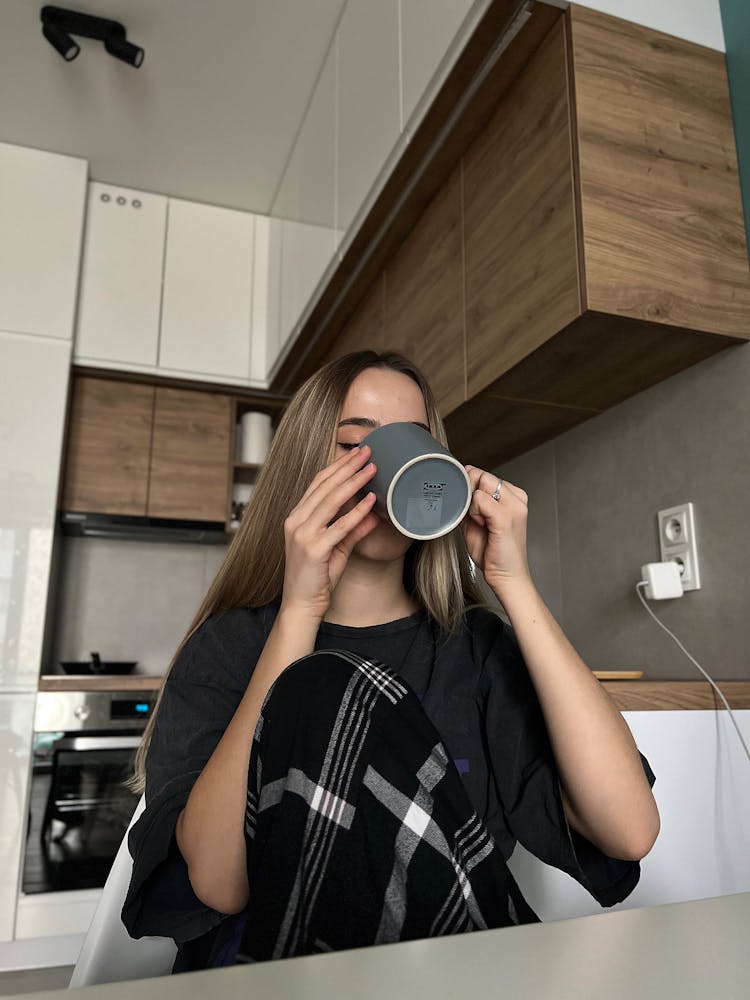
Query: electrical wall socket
{"x": 678, "y": 543}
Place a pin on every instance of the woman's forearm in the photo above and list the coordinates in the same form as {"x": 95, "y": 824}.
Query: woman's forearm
{"x": 209, "y": 829}
{"x": 605, "y": 791}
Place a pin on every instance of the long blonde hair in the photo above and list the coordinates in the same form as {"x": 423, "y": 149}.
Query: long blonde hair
{"x": 436, "y": 573}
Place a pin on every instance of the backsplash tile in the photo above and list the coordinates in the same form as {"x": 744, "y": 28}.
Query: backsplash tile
{"x": 128, "y": 600}
{"x": 602, "y": 483}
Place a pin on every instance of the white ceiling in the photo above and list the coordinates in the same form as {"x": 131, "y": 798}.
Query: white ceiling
{"x": 211, "y": 115}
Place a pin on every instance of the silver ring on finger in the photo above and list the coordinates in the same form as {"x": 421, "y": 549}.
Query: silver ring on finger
{"x": 496, "y": 494}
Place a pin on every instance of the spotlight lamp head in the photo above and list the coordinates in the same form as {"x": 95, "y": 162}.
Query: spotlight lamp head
{"x": 61, "y": 40}
{"x": 121, "y": 48}
{"x": 58, "y": 24}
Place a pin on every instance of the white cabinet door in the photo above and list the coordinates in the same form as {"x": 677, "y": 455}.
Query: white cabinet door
{"x": 266, "y": 298}
{"x": 42, "y": 200}
{"x": 32, "y": 414}
{"x": 369, "y": 120}
{"x": 286, "y": 208}
{"x": 16, "y": 726}
{"x": 306, "y": 251}
{"x": 428, "y": 28}
{"x": 316, "y": 152}
{"x": 306, "y": 206}
{"x": 206, "y": 305}
{"x": 267, "y": 301}
{"x": 123, "y": 257}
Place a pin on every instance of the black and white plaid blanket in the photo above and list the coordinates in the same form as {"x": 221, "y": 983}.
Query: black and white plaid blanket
{"x": 358, "y": 828}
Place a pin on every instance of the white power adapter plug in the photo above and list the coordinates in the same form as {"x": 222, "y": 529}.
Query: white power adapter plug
{"x": 662, "y": 580}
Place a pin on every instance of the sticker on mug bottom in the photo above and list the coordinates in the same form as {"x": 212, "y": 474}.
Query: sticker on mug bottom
{"x": 423, "y": 515}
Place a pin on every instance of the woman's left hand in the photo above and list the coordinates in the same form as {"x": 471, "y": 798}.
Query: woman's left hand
{"x": 495, "y": 530}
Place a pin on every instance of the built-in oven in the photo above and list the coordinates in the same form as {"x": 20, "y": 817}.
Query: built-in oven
{"x": 80, "y": 806}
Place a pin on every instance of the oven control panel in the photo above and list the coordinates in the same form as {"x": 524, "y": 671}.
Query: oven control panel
{"x": 71, "y": 711}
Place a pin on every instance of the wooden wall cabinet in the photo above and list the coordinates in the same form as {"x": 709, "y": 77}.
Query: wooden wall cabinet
{"x": 146, "y": 450}
{"x": 189, "y": 455}
{"x": 631, "y": 264}
{"x": 109, "y": 443}
{"x": 586, "y": 243}
{"x": 417, "y": 304}
{"x": 522, "y": 282}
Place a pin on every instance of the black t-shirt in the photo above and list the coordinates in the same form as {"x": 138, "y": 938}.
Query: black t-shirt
{"x": 474, "y": 687}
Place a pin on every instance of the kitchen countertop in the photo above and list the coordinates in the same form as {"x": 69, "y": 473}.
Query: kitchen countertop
{"x": 628, "y": 696}
{"x": 645, "y": 696}
{"x": 99, "y": 682}
{"x": 689, "y": 950}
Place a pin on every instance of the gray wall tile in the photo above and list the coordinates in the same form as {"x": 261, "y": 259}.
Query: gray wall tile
{"x": 534, "y": 472}
{"x": 686, "y": 439}
{"x": 129, "y": 600}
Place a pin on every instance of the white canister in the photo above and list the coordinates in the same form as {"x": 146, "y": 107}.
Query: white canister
{"x": 255, "y": 436}
{"x": 241, "y": 492}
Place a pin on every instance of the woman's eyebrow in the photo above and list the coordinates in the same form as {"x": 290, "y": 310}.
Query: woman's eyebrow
{"x": 369, "y": 422}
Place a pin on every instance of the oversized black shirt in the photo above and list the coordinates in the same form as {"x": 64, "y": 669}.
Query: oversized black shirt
{"x": 474, "y": 687}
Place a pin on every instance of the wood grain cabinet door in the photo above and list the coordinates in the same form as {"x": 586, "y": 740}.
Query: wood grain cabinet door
{"x": 522, "y": 281}
{"x": 190, "y": 455}
{"x": 109, "y": 436}
{"x": 424, "y": 305}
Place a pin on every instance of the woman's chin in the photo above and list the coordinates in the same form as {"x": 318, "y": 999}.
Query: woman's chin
{"x": 383, "y": 542}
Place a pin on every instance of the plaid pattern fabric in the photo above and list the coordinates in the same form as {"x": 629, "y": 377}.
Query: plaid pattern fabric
{"x": 357, "y": 825}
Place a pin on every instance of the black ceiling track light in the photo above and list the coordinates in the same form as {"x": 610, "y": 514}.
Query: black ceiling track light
{"x": 59, "y": 24}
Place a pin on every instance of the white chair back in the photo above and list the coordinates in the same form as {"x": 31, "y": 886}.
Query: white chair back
{"x": 109, "y": 954}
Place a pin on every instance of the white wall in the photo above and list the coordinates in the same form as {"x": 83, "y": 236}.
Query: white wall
{"x": 703, "y": 794}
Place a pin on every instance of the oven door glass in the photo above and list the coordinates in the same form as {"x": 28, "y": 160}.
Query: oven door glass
{"x": 79, "y": 810}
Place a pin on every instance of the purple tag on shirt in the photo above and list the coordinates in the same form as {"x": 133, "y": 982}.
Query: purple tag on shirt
{"x": 462, "y": 765}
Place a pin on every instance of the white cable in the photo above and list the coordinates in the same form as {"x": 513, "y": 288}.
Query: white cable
{"x": 692, "y": 660}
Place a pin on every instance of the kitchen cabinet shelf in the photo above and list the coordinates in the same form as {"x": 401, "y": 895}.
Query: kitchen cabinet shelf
{"x": 243, "y": 474}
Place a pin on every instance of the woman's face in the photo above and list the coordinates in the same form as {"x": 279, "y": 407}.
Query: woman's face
{"x": 378, "y": 396}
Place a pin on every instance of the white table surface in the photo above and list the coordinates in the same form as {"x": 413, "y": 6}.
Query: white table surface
{"x": 699, "y": 949}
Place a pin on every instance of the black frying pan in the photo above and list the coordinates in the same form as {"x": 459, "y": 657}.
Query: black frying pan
{"x": 98, "y": 666}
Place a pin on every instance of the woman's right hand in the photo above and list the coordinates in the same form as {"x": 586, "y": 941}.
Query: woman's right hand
{"x": 318, "y": 544}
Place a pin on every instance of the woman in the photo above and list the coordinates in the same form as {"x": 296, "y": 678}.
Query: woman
{"x": 270, "y": 829}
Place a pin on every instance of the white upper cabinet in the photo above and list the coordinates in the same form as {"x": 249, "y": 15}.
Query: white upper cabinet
{"x": 428, "y": 28}
{"x": 286, "y": 208}
{"x": 316, "y": 153}
{"x": 269, "y": 280}
{"x": 167, "y": 285}
{"x": 305, "y": 253}
{"x": 306, "y": 247}
{"x": 315, "y": 238}
{"x": 118, "y": 313}
{"x": 259, "y": 355}
{"x": 207, "y": 294}
{"x": 42, "y": 202}
{"x": 369, "y": 120}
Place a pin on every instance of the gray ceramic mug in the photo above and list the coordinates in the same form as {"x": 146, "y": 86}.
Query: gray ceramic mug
{"x": 419, "y": 486}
